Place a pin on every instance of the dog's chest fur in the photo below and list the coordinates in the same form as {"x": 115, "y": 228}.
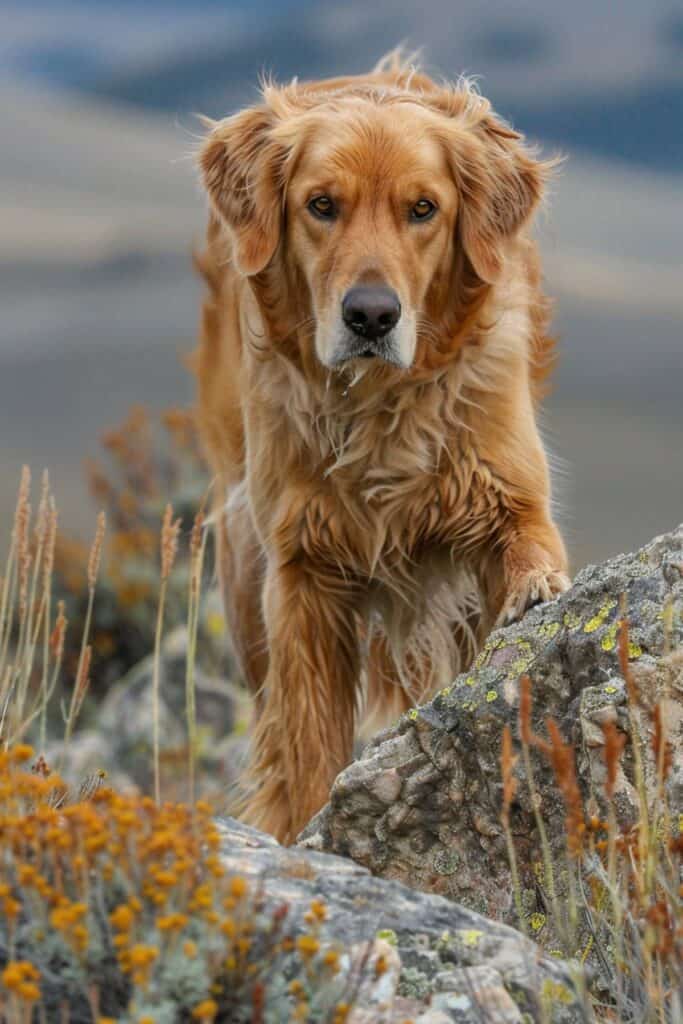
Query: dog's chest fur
{"x": 394, "y": 475}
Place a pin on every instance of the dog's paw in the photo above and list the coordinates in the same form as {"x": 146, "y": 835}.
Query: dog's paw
{"x": 535, "y": 587}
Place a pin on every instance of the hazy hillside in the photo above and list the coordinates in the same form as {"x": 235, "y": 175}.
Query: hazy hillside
{"x": 576, "y": 73}
{"x": 100, "y": 209}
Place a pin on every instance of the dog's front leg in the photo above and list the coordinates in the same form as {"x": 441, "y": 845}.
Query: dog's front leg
{"x": 530, "y": 566}
{"x": 304, "y": 733}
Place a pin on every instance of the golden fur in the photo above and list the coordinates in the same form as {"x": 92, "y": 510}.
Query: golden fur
{"x": 374, "y": 520}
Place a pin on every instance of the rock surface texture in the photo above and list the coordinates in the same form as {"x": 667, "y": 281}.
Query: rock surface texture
{"x": 442, "y": 962}
{"x": 422, "y": 804}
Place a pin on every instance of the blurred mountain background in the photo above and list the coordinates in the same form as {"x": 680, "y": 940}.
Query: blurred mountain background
{"x": 100, "y": 208}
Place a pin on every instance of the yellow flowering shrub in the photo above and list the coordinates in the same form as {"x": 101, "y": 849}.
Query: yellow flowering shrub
{"x": 121, "y": 910}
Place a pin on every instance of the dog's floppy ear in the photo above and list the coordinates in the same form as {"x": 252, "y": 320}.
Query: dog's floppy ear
{"x": 241, "y": 168}
{"x": 500, "y": 183}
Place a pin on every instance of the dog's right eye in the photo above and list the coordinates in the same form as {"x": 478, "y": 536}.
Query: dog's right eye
{"x": 323, "y": 208}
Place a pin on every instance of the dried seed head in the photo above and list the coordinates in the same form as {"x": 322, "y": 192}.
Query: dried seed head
{"x": 562, "y": 760}
{"x": 83, "y": 677}
{"x": 96, "y": 551}
{"x": 661, "y": 746}
{"x": 614, "y": 745}
{"x": 58, "y": 633}
{"x": 196, "y": 535}
{"x": 624, "y": 646}
{"x": 50, "y": 544}
{"x": 169, "y": 542}
{"x": 43, "y": 510}
{"x": 22, "y": 498}
{"x": 196, "y": 551}
{"x": 22, "y": 519}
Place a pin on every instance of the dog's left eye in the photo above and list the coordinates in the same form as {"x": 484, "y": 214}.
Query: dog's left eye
{"x": 323, "y": 207}
{"x": 424, "y": 209}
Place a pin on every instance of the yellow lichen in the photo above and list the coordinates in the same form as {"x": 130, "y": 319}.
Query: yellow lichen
{"x": 491, "y": 696}
{"x": 536, "y": 922}
{"x": 489, "y": 647}
{"x": 523, "y": 662}
{"x": 470, "y": 937}
{"x": 609, "y": 640}
{"x": 601, "y": 616}
{"x": 555, "y": 992}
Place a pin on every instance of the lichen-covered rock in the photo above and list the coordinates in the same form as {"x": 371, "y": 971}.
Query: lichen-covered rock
{"x": 422, "y": 804}
{"x": 440, "y": 962}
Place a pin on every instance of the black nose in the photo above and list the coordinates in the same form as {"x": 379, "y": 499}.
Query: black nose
{"x": 371, "y": 310}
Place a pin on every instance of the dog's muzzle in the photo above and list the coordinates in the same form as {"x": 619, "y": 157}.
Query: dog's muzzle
{"x": 370, "y": 312}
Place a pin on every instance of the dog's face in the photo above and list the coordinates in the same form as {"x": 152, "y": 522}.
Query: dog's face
{"x": 374, "y": 199}
{"x": 371, "y": 211}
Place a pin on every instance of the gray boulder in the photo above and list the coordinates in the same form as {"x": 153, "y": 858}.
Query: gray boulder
{"x": 422, "y": 804}
{"x": 443, "y": 963}
{"x": 119, "y": 736}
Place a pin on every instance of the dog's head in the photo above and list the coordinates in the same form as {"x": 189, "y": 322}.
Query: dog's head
{"x": 383, "y": 199}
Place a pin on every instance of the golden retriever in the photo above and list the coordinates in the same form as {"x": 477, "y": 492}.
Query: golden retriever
{"x": 373, "y": 346}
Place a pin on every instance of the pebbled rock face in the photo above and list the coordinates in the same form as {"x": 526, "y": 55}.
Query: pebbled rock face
{"x": 444, "y": 963}
{"x": 422, "y": 803}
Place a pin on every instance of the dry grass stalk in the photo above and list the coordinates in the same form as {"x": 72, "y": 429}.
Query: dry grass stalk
{"x": 38, "y": 608}
{"x": 507, "y": 764}
{"x": 632, "y": 900}
{"x": 615, "y": 742}
{"x": 613, "y": 749}
{"x": 169, "y": 542}
{"x": 170, "y": 529}
{"x": 92, "y": 573}
{"x": 48, "y": 567}
{"x": 197, "y": 549}
{"x": 22, "y": 524}
{"x": 83, "y": 679}
{"x": 528, "y": 739}
{"x": 58, "y": 633}
{"x": 561, "y": 756}
{"x": 30, "y": 593}
{"x": 11, "y": 570}
{"x": 96, "y": 551}
{"x": 634, "y": 703}
{"x": 661, "y": 746}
